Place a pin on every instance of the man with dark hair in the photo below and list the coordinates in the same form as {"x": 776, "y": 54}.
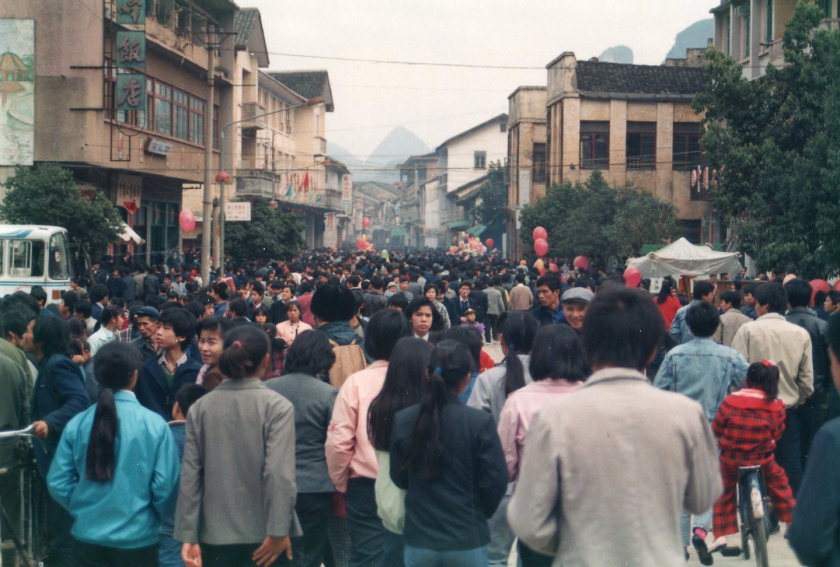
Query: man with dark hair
{"x": 615, "y": 438}
{"x": 333, "y": 306}
{"x": 773, "y": 338}
{"x": 145, "y": 320}
{"x": 110, "y": 322}
{"x": 705, "y": 372}
{"x": 703, "y": 291}
{"x": 799, "y": 297}
{"x": 521, "y": 297}
{"x": 220, "y": 293}
{"x": 98, "y": 300}
{"x": 548, "y": 310}
{"x": 83, "y": 311}
{"x": 748, "y": 301}
{"x": 375, "y": 299}
{"x": 732, "y": 318}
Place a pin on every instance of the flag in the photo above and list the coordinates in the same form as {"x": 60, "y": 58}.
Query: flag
{"x": 306, "y": 181}
{"x": 288, "y": 190}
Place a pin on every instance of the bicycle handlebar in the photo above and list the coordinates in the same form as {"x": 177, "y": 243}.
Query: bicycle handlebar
{"x": 25, "y": 432}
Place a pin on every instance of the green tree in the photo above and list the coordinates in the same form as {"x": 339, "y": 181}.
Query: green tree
{"x": 47, "y": 194}
{"x": 271, "y": 234}
{"x": 775, "y": 144}
{"x": 596, "y": 220}
{"x": 493, "y": 198}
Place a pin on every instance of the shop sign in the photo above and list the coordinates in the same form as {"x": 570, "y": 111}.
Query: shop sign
{"x": 131, "y": 92}
{"x": 131, "y": 12}
{"x": 129, "y": 189}
{"x": 131, "y": 50}
{"x": 238, "y": 211}
{"x": 159, "y": 147}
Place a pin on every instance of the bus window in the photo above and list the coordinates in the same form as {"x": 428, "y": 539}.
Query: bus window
{"x": 59, "y": 267}
{"x": 27, "y": 258}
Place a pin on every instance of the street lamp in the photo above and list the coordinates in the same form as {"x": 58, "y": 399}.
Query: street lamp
{"x": 310, "y": 102}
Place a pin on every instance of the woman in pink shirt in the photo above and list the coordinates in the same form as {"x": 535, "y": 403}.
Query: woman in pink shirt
{"x": 289, "y": 329}
{"x": 557, "y": 368}
{"x": 351, "y": 458}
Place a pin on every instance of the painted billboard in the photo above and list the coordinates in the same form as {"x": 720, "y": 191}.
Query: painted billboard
{"x": 17, "y": 92}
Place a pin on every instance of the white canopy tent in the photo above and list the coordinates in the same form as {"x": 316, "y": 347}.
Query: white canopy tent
{"x": 127, "y": 234}
{"x": 682, "y": 258}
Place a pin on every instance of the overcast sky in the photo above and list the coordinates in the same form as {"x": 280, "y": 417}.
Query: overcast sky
{"x": 437, "y": 102}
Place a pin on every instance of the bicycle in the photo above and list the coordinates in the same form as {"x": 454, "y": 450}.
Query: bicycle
{"x": 754, "y": 512}
{"x": 27, "y": 545}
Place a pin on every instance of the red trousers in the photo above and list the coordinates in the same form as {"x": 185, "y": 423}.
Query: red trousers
{"x": 725, "y": 520}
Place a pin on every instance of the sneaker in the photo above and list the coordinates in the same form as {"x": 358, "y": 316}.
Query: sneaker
{"x": 703, "y": 553}
{"x": 718, "y": 545}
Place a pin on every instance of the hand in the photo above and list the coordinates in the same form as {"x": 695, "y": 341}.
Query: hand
{"x": 42, "y": 429}
{"x": 191, "y": 554}
{"x": 271, "y": 548}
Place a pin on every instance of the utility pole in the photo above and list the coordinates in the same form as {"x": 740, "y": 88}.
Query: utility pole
{"x": 207, "y": 201}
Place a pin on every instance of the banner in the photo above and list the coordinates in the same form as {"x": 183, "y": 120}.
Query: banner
{"x": 17, "y": 87}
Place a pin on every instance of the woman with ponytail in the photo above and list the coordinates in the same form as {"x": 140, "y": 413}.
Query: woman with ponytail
{"x": 448, "y": 458}
{"x": 116, "y": 469}
{"x": 236, "y": 504}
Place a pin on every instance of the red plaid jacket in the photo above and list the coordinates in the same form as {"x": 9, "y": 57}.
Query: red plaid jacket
{"x": 748, "y": 426}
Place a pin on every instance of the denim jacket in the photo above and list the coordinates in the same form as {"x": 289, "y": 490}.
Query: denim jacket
{"x": 702, "y": 370}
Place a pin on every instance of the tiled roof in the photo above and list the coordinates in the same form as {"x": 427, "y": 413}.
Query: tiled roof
{"x": 308, "y": 84}
{"x": 655, "y": 82}
{"x": 244, "y": 22}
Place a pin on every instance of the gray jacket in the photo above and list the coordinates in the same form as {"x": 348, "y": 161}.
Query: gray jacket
{"x": 313, "y": 401}
{"x": 238, "y": 472}
{"x": 488, "y": 394}
{"x": 495, "y": 301}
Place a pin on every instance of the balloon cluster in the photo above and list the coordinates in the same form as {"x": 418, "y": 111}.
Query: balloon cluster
{"x": 363, "y": 244}
{"x": 469, "y": 245}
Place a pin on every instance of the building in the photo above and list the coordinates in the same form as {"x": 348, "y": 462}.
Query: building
{"x": 414, "y": 172}
{"x": 750, "y": 31}
{"x": 380, "y": 204}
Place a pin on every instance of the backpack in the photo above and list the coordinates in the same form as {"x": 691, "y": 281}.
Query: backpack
{"x": 348, "y": 360}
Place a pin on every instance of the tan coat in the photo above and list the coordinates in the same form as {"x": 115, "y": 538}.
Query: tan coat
{"x": 521, "y": 298}
{"x": 730, "y": 322}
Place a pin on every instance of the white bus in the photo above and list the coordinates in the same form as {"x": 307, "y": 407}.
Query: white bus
{"x": 34, "y": 255}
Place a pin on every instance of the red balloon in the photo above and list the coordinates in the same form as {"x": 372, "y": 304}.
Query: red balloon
{"x": 632, "y": 277}
{"x": 187, "y": 220}
{"x": 552, "y": 267}
{"x": 541, "y": 246}
{"x": 489, "y": 242}
{"x": 540, "y": 232}
{"x": 837, "y": 285}
{"x": 820, "y": 285}
{"x": 361, "y": 243}
{"x": 581, "y": 262}
{"x": 366, "y": 222}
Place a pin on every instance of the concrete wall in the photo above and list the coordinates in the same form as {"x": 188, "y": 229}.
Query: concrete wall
{"x": 460, "y": 154}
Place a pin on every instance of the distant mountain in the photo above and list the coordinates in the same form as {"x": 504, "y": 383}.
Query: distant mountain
{"x": 617, "y": 54}
{"x": 395, "y": 148}
{"x": 695, "y": 35}
{"x": 345, "y": 156}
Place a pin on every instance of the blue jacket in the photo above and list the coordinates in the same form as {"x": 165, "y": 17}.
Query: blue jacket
{"x": 59, "y": 394}
{"x": 679, "y": 331}
{"x": 125, "y": 511}
{"x": 154, "y": 392}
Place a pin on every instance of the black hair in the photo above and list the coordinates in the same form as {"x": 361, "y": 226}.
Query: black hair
{"x": 402, "y": 388}
{"x": 518, "y": 329}
{"x": 258, "y": 287}
{"x": 311, "y": 353}
{"x": 15, "y": 318}
{"x": 771, "y": 295}
{"x": 52, "y": 333}
{"x": 76, "y": 327}
{"x": 431, "y": 285}
{"x": 187, "y": 395}
{"x": 733, "y": 297}
{"x": 764, "y": 378}
{"x": 702, "y": 288}
{"x": 423, "y": 301}
{"x": 108, "y": 314}
{"x": 470, "y": 338}
{"x": 196, "y": 308}
{"x": 219, "y": 325}
{"x": 84, "y": 307}
{"x": 294, "y": 303}
{"x": 38, "y": 293}
{"x": 115, "y": 365}
{"x": 182, "y": 322}
{"x": 98, "y": 292}
{"x": 238, "y": 307}
{"x": 222, "y": 290}
{"x": 376, "y": 282}
{"x": 550, "y": 280}
{"x": 834, "y": 296}
{"x": 798, "y": 293}
{"x": 665, "y": 291}
{"x": 262, "y": 310}
{"x": 69, "y": 298}
{"x": 384, "y": 329}
{"x": 557, "y": 354}
{"x": 449, "y": 365}
{"x": 834, "y": 335}
{"x": 702, "y": 319}
{"x": 333, "y": 302}
{"x": 622, "y": 328}
{"x": 246, "y": 346}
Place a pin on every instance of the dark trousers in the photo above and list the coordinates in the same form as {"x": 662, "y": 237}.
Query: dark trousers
{"x": 490, "y": 331}
{"x": 810, "y": 420}
{"x": 789, "y": 449}
{"x": 89, "y": 555}
{"x": 10, "y": 500}
{"x": 367, "y": 534}
{"x": 394, "y": 553}
{"x": 530, "y": 558}
{"x": 58, "y": 523}
{"x": 313, "y": 510}
{"x": 238, "y": 555}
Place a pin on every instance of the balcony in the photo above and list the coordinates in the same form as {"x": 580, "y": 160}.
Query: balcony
{"x": 250, "y": 124}
{"x": 256, "y": 183}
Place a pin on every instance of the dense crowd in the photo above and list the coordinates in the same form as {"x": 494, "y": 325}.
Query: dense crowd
{"x": 345, "y": 410}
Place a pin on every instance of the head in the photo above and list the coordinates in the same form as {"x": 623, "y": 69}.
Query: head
{"x": 211, "y": 336}
{"x": 384, "y": 329}
{"x": 98, "y": 293}
{"x": 262, "y": 314}
{"x": 423, "y": 316}
{"x": 293, "y": 311}
{"x": 470, "y": 338}
{"x": 220, "y": 292}
{"x": 111, "y": 318}
{"x": 398, "y": 302}
{"x": 703, "y": 290}
{"x": 15, "y": 320}
{"x": 238, "y": 308}
{"x": 332, "y": 302}
{"x": 431, "y": 291}
{"x": 665, "y": 290}
{"x": 575, "y": 302}
{"x": 517, "y": 331}
{"x": 50, "y": 335}
{"x": 832, "y": 301}
{"x": 770, "y": 298}
{"x": 464, "y": 289}
{"x": 730, "y": 300}
{"x": 176, "y": 329}
{"x": 311, "y": 354}
{"x": 702, "y": 319}
{"x": 798, "y": 293}
{"x": 557, "y": 354}
{"x": 548, "y": 291}
{"x": 83, "y": 309}
{"x": 470, "y": 315}
{"x": 146, "y": 321}
{"x": 39, "y": 294}
{"x": 246, "y": 353}
{"x": 764, "y": 376}
{"x": 257, "y": 292}
{"x": 749, "y": 294}
{"x": 622, "y": 328}
{"x": 185, "y": 397}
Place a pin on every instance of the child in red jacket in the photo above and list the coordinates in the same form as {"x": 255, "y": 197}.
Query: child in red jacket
{"x": 748, "y": 425}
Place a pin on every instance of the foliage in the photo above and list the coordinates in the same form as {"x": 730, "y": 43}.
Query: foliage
{"x": 775, "y": 143}
{"x": 493, "y": 196}
{"x": 47, "y": 194}
{"x": 271, "y": 234}
{"x": 596, "y": 220}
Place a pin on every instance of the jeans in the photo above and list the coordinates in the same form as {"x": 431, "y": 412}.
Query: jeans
{"x": 530, "y": 558}
{"x": 367, "y": 534}
{"x": 788, "y": 449}
{"x": 234, "y": 555}
{"x": 89, "y": 555}
{"x": 422, "y": 557}
{"x": 394, "y": 552}
{"x": 313, "y": 510}
{"x": 501, "y": 536}
{"x": 703, "y": 520}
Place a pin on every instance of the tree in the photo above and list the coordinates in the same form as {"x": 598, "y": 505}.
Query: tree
{"x": 596, "y": 220}
{"x": 775, "y": 143}
{"x": 47, "y": 194}
{"x": 493, "y": 197}
{"x": 271, "y": 234}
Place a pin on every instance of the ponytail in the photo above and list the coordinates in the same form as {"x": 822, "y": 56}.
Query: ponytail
{"x": 518, "y": 330}
{"x": 764, "y": 376}
{"x": 246, "y": 347}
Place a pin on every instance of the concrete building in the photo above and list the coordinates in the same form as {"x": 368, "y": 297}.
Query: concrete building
{"x": 414, "y": 172}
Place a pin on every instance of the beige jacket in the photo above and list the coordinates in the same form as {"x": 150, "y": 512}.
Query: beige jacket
{"x": 730, "y": 322}
{"x": 788, "y": 345}
{"x": 521, "y": 298}
{"x": 608, "y": 469}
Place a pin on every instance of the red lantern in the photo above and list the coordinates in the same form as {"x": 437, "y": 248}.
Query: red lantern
{"x": 581, "y": 262}
{"x": 187, "y": 220}
{"x": 366, "y": 222}
{"x": 540, "y": 232}
{"x": 541, "y": 246}
{"x": 632, "y": 277}
{"x": 489, "y": 242}
{"x": 222, "y": 177}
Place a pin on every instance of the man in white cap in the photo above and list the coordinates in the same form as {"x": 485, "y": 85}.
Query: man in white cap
{"x": 575, "y": 301}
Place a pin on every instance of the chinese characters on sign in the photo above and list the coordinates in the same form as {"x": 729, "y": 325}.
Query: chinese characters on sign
{"x": 131, "y": 49}
{"x": 347, "y": 193}
{"x": 159, "y": 147}
{"x": 129, "y": 189}
{"x": 131, "y": 12}
{"x": 238, "y": 211}
{"x": 131, "y": 92}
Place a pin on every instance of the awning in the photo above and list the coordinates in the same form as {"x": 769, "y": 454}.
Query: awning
{"x": 477, "y": 230}
{"x": 127, "y": 234}
{"x": 456, "y": 225}
{"x": 682, "y": 258}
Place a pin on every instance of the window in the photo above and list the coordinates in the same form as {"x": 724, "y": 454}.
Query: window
{"x": 163, "y": 108}
{"x": 686, "y": 145}
{"x": 595, "y": 145}
{"x": 480, "y": 160}
{"x": 59, "y": 269}
{"x": 768, "y": 22}
{"x": 641, "y": 145}
{"x": 539, "y": 163}
{"x": 196, "y": 120}
{"x": 27, "y": 258}
{"x": 502, "y": 126}
{"x": 825, "y": 6}
{"x": 181, "y": 102}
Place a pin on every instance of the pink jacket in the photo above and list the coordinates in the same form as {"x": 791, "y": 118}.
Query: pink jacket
{"x": 517, "y": 412}
{"x": 349, "y": 451}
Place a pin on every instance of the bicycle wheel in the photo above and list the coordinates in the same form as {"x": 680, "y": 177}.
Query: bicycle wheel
{"x": 758, "y": 526}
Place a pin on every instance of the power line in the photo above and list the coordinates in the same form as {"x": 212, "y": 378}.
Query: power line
{"x": 411, "y": 63}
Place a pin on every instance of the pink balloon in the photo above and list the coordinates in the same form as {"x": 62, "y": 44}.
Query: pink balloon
{"x": 541, "y": 246}
{"x": 552, "y": 267}
{"x": 632, "y": 277}
{"x": 820, "y": 285}
{"x": 489, "y": 242}
{"x": 366, "y": 222}
{"x": 581, "y": 262}
{"x": 837, "y": 285}
{"x": 361, "y": 244}
{"x": 540, "y": 232}
{"x": 187, "y": 220}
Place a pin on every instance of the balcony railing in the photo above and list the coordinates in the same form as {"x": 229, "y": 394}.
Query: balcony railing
{"x": 249, "y": 111}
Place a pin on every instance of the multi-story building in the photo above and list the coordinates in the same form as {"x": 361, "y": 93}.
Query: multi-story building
{"x": 413, "y": 175}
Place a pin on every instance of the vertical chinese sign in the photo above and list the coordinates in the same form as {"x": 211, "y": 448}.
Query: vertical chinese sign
{"x": 17, "y": 92}
{"x": 131, "y": 12}
{"x": 130, "y": 55}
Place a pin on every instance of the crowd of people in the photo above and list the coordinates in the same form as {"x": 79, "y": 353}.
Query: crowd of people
{"x": 345, "y": 410}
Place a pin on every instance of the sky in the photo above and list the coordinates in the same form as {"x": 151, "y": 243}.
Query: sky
{"x": 437, "y": 102}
